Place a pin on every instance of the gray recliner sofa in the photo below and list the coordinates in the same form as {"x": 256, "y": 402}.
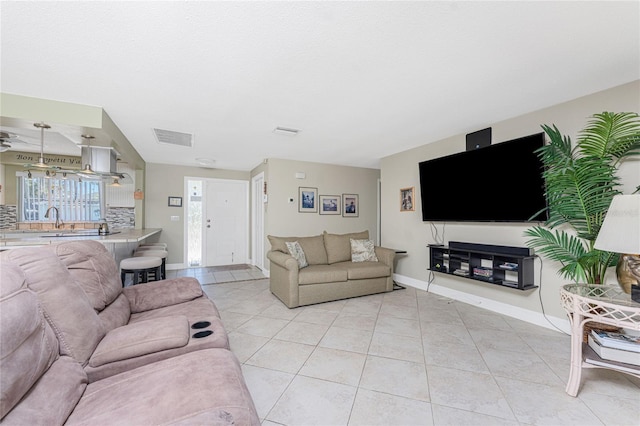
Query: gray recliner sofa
{"x": 331, "y": 274}
{"x": 77, "y": 348}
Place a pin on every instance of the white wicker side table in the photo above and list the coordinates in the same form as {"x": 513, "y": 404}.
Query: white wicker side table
{"x": 599, "y": 303}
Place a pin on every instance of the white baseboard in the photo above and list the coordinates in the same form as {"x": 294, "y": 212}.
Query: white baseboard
{"x": 174, "y": 266}
{"x": 532, "y": 317}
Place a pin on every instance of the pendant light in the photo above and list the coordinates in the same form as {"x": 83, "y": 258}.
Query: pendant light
{"x": 87, "y": 171}
{"x": 41, "y": 164}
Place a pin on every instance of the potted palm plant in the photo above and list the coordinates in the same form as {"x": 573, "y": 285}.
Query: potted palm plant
{"x": 581, "y": 181}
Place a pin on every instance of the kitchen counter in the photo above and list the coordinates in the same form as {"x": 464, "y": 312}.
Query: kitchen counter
{"x": 13, "y": 239}
{"x": 121, "y": 243}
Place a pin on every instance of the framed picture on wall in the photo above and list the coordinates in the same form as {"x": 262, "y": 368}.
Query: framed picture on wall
{"x": 407, "y": 198}
{"x": 307, "y": 200}
{"x": 329, "y": 204}
{"x": 175, "y": 201}
{"x": 350, "y": 206}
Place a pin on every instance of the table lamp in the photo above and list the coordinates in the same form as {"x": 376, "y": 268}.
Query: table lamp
{"x": 620, "y": 233}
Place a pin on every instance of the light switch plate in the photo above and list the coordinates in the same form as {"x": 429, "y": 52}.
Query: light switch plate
{"x": 175, "y": 218}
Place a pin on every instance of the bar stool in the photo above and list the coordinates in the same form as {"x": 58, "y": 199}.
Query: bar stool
{"x": 140, "y": 267}
{"x": 161, "y": 245}
{"x": 162, "y": 254}
{"x": 140, "y": 248}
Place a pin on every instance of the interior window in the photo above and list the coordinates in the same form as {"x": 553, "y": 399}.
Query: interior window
{"x": 77, "y": 200}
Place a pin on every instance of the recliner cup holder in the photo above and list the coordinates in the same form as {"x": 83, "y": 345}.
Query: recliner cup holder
{"x": 201, "y": 334}
{"x": 201, "y": 324}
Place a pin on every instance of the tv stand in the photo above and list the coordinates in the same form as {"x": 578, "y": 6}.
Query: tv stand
{"x": 506, "y": 266}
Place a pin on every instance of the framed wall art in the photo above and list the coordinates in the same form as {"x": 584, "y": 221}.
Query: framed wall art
{"x": 329, "y": 204}
{"x": 350, "y": 206}
{"x": 307, "y": 200}
{"x": 407, "y": 197}
{"x": 175, "y": 201}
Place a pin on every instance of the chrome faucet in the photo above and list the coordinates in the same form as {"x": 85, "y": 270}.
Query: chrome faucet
{"x": 59, "y": 222}
{"x": 104, "y": 228}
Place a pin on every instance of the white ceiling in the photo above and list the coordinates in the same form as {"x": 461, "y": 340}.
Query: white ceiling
{"x": 361, "y": 80}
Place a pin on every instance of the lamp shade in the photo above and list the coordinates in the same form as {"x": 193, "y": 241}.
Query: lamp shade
{"x": 620, "y": 232}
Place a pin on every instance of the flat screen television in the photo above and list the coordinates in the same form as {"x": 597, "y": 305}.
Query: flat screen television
{"x": 498, "y": 183}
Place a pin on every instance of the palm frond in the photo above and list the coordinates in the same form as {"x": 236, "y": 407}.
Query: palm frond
{"x": 580, "y": 195}
{"x": 611, "y": 135}
{"x": 580, "y": 184}
{"x": 560, "y": 247}
{"x": 558, "y": 152}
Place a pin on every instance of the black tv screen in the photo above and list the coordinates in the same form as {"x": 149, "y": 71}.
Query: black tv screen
{"x": 498, "y": 183}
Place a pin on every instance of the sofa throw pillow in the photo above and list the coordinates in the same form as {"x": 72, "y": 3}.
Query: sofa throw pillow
{"x": 338, "y": 246}
{"x": 313, "y": 247}
{"x": 363, "y": 251}
{"x": 295, "y": 250}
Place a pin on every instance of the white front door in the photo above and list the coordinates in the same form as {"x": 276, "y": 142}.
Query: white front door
{"x": 226, "y": 222}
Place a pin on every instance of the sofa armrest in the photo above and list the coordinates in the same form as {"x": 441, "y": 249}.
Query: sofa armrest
{"x": 282, "y": 259}
{"x": 283, "y": 278}
{"x": 386, "y": 256}
{"x": 158, "y": 294}
{"x": 141, "y": 338}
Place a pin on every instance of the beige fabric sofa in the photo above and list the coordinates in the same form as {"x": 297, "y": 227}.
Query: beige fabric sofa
{"x": 77, "y": 348}
{"x": 331, "y": 275}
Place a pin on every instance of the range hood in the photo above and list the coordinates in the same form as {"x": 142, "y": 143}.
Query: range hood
{"x": 103, "y": 164}
{"x": 101, "y": 159}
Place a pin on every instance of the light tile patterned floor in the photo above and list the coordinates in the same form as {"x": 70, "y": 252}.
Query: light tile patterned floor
{"x": 217, "y": 274}
{"x": 409, "y": 358}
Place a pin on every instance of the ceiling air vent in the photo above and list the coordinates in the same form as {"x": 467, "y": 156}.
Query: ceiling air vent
{"x": 174, "y": 138}
{"x": 288, "y": 131}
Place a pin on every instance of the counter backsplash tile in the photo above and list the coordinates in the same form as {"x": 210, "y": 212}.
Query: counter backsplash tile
{"x": 121, "y": 217}
{"x": 117, "y": 218}
{"x": 8, "y": 217}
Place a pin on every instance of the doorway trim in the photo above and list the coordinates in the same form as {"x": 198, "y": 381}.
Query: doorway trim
{"x": 257, "y": 220}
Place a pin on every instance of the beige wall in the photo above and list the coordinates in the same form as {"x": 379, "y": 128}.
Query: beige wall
{"x": 162, "y": 181}
{"x": 10, "y": 184}
{"x": 407, "y": 230}
{"x": 283, "y": 219}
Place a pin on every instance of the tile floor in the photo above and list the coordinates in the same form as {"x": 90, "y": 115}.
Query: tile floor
{"x": 409, "y": 358}
{"x": 219, "y": 274}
